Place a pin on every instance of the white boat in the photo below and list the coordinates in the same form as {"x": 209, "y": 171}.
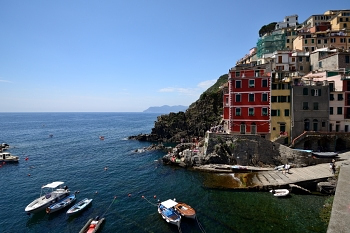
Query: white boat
{"x": 61, "y": 204}
{"x": 167, "y": 210}
{"x": 50, "y": 193}
{"x": 8, "y": 158}
{"x": 81, "y": 205}
{"x": 92, "y": 225}
{"x": 280, "y": 192}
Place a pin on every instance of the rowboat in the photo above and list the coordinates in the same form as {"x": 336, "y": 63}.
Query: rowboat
{"x": 50, "y": 193}
{"x": 185, "y": 210}
{"x": 80, "y": 206}
{"x": 61, "y": 204}
{"x": 167, "y": 211}
{"x": 93, "y": 225}
{"x": 325, "y": 154}
{"x": 280, "y": 192}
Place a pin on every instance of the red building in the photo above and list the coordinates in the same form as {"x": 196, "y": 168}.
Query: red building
{"x": 247, "y": 101}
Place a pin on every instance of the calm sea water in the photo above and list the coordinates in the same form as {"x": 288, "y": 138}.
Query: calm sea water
{"x": 77, "y": 156}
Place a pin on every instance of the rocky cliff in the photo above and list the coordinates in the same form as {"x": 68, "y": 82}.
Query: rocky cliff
{"x": 194, "y": 122}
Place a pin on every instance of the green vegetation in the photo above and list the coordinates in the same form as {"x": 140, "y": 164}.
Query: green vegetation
{"x": 325, "y": 213}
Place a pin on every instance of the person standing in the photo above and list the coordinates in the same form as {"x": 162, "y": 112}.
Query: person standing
{"x": 332, "y": 166}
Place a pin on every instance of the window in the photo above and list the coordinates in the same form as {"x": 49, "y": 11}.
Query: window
{"x": 325, "y": 41}
{"x": 315, "y": 105}
{"x": 331, "y": 97}
{"x": 286, "y": 112}
{"x": 305, "y": 91}
{"x": 333, "y": 40}
{"x": 251, "y": 111}
{"x": 320, "y": 64}
{"x": 340, "y": 96}
{"x": 312, "y": 41}
{"x": 330, "y": 110}
{"x": 238, "y": 111}
{"x": 238, "y": 97}
{"x": 300, "y": 58}
{"x": 282, "y": 99}
{"x": 331, "y": 86}
{"x": 347, "y": 59}
{"x": 305, "y": 105}
{"x": 264, "y": 111}
{"x": 301, "y": 68}
{"x": 264, "y": 97}
{"x": 307, "y": 59}
{"x": 264, "y": 83}
{"x": 251, "y": 97}
{"x": 238, "y": 83}
{"x": 251, "y": 83}
{"x": 318, "y": 41}
{"x": 339, "y": 110}
{"x": 275, "y": 112}
{"x": 316, "y": 92}
{"x": 305, "y": 41}
{"x": 273, "y": 99}
{"x": 237, "y": 73}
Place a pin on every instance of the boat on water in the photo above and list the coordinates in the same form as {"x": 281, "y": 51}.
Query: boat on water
{"x": 50, "y": 193}
{"x": 4, "y": 146}
{"x": 81, "y": 205}
{"x": 92, "y": 225}
{"x": 185, "y": 210}
{"x": 325, "y": 154}
{"x": 65, "y": 202}
{"x": 8, "y": 158}
{"x": 167, "y": 210}
{"x": 280, "y": 192}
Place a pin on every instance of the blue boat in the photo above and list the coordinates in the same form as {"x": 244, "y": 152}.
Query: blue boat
{"x": 61, "y": 204}
{"x": 167, "y": 210}
{"x": 80, "y": 206}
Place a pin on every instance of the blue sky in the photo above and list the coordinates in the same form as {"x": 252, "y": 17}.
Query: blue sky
{"x": 127, "y": 55}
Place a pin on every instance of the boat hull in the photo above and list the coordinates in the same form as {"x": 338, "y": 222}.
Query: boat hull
{"x": 63, "y": 203}
{"x": 43, "y": 202}
{"x": 92, "y": 226}
{"x": 169, "y": 215}
{"x": 185, "y": 210}
{"x": 280, "y": 192}
{"x": 80, "y": 206}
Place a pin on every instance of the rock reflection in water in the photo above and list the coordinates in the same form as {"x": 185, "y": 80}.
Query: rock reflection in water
{"x": 229, "y": 180}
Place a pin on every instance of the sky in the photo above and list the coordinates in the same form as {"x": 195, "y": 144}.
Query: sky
{"x": 127, "y": 55}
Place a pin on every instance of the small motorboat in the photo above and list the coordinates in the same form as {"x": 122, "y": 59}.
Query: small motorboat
{"x": 167, "y": 210}
{"x": 93, "y": 225}
{"x": 185, "y": 210}
{"x": 8, "y": 158}
{"x": 50, "y": 193}
{"x": 81, "y": 205}
{"x": 61, "y": 204}
{"x": 280, "y": 192}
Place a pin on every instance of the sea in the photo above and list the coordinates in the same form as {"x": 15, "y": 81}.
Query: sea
{"x": 126, "y": 182}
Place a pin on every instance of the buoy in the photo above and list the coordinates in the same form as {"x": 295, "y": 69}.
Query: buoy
{"x": 26, "y": 158}
{"x": 96, "y": 192}
{"x": 143, "y": 196}
{"x": 129, "y": 195}
{"x": 28, "y": 174}
{"x": 155, "y": 196}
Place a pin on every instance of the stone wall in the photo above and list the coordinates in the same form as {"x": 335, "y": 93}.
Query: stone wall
{"x": 250, "y": 150}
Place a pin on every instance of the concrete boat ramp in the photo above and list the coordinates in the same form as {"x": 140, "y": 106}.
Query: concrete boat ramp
{"x": 267, "y": 178}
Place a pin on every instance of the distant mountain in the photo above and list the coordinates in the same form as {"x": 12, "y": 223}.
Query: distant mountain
{"x": 166, "y": 109}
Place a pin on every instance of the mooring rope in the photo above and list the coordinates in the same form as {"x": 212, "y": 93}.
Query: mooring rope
{"x": 149, "y": 201}
{"x": 200, "y": 225}
{"x": 115, "y": 197}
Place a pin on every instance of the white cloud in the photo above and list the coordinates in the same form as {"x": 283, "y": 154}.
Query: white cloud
{"x": 189, "y": 91}
{"x": 206, "y": 84}
{"x": 4, "y": 81}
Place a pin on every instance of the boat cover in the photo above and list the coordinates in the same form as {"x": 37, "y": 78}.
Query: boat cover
{"x": 169, "y": 203}
{"x": 53, "y": 184}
